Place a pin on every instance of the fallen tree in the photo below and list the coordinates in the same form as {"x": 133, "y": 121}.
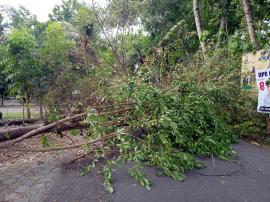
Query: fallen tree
{"x": 181, "y": 123}
{"x": 14, "y": 136}
{"x": 58, "y": 148}
{"x": 14, "y": 133}
{"x": 18, "y": 122}
{"x": 10, "y": 134}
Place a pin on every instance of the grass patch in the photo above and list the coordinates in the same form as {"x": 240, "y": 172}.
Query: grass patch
{"x": 17, "y": 115}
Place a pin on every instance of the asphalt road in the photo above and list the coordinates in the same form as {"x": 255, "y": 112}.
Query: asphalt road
{"x": 246, "y": 179}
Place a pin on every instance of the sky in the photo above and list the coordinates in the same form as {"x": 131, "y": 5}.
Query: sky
{"x": 40, "y": 8}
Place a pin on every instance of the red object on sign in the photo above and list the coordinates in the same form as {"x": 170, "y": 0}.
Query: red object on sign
{"x": 262, "y": 86}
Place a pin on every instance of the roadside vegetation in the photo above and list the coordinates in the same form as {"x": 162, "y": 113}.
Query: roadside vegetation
{"x": 156, "y": 82}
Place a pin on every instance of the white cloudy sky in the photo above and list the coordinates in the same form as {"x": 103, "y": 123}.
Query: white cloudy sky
{"x": 40, "y": 8}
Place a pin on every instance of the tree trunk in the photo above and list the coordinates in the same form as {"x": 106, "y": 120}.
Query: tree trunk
{"x": 2, "y": 99}
{"x": 222, "y": 24}
{"x": 27, "y": 100}
{"x": 222, "y": 32}
{"x": 250, "y": 25}
{"x": 14, "y": 133}
{"x": 41, "y": 107}
{"x": 17, "y": 122}
{"x": 196, "y": 11}
{"x": 23, "y": 111}
{"x": 268, "y": 127}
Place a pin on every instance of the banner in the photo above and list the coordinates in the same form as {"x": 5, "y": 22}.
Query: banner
{"x": 250, "y": 63}
{"x": 263, "y": 85}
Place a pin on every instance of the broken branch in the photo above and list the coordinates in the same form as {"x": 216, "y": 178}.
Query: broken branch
{"x": 104, "y": 138}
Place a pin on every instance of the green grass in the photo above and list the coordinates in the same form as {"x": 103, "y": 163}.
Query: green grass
{"x": 17, "y": 115}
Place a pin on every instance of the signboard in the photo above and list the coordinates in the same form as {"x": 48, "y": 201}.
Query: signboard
{"x": 263, "y": 84}
{"x": 250, "y": 63}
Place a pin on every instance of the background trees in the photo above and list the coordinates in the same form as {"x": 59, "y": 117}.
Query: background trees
{"x": 21, "y": 65}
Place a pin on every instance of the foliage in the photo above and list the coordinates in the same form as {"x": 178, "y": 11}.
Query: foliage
{"x": 21, "y": 18}
{"x": 221, "y": 73}
{"x": 159, "y": 17}
{"x": 135, "y": 46}
{"x": 3, "y": 60}
{"x": 56, "y": 46}
{"x": 185, "y": 117}
{"x": 64, "y": 12}
{"x": 84, "y": 17}
{"x": 188, "y": 106}
{"x": 181, "y": 121}
{"x": 21, "y": 64}
{"x": 123, "y": 13}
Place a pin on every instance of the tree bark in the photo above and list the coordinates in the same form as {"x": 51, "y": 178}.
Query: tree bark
{"x": 2, "y": 99}
{"x": 23, "y": 111}
{"x": 58, "y": 148}
{"x": 14, "y": 133}
{"x": 268, "y": 127}
{"x": 222, "y": 32}
{"x": 196, "y": 10}
{"x": 222, "y": 26}
{"x": 27, "y": 100}
{"x": 46, "y": 128}
{"x": 17, "y": 122}
{"x": 41, "y": 107}
{"x": 250, "y": 24}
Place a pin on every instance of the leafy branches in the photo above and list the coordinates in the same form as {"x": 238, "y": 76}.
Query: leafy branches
{"x": 181, "y": 123}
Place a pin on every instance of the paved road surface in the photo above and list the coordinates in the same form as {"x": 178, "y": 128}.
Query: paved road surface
{"x": 249, "y": 183}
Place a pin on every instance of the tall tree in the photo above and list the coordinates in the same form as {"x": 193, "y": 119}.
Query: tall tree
{"x": 21, "y": 18}
{"x": 196, "y": 10}
{"x": 64, "y": 12}
{"x": 251, "y": 30}
{"x": 22, "y": 64}
{"x": 3, "y": 81}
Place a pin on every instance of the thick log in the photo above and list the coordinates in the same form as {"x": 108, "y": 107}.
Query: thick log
{"x": 11, "y": 134}
{"x": 58, "y": 148}
{"x": 14, "y": 133}
{"x": 98, "y": 141}
{"x": 18, "y": 122}
{"x": 52, "y": 126}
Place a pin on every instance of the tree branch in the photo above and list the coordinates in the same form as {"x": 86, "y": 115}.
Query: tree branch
{"x": 52, "y": 125}
{"x": 59, "y": 148}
